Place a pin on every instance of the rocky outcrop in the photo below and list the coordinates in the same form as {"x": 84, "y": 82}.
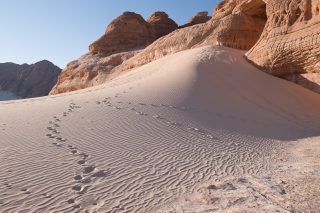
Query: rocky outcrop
{"x": 130, "y": 31}
{"x": 200, "y": 18}
{"x": 88, "y": 71}
{"x": 127, "y": 32}
{"x": 229, "y": 26}
{"x": 161, "y": 24}
{"x": 27, "y": 81}
{"x": 290, "y": 44}
{"x": 125, "y": 37}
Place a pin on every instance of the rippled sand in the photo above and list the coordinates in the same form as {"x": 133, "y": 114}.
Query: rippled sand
{"x": 154, "y": 137}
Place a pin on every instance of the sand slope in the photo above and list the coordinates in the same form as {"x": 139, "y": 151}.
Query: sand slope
{"x": 150, "y": 136}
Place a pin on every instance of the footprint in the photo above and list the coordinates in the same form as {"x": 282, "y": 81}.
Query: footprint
{"x": 46, "y": 195}
{"x": 213, "y": 187}
{"x": 141, "y": 113}
{"x": 229, "y": 187}
{"x": 56, "y": 144}
{"x": 74, "y": 151}
{"x": 84, "y": 156}
{"x": 86, "y": 180}
{"x": 157, "y": 117}
{"x": 212, "y": 137}
{"x": 81, "y": 162}
{"x": 100, "y": 174}
{"x": 71, "y": 201}
{"x": 25, "y": 191}
{"x": 173, "y": 123}
{"x": 77, "y": 188}
{"x": 88, "y": 169}
{"x": 61, "y": 139}
{"x": 78, "y": 177}
{"x": 77, "y": 206}
{"x": 55, "y": 132}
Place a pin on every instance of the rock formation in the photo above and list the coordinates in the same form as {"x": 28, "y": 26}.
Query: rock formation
{"x": 290, "y": 44}
{"x": 229, "y": 26}
{"x": 125, "y": 37}
{"x": 125, "y": 33}
{"x": 281, "y": 37}
{"x": 200, "y": 18}
{"x": 27, "y": 81}
{"x": 130, "y": 31}
{"x": 161, "y": 24}
{"x": 88, "y": 71}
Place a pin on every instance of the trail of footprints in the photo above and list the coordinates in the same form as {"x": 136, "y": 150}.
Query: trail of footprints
{"x": 134, "y": 108}
{"x": 88, "y": 171}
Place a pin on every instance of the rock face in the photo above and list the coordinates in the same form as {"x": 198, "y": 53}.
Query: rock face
{"x": 27, "y": 81}
{"x": 161, "y": 24}
{"x": 290, "y": 44}
{"x": 88, "y": 71}
{"x": 130, "y": 31}
{"x": 201, "y": 17}
{"x": 125, "y": 37}
{"x": 125, "y": 33}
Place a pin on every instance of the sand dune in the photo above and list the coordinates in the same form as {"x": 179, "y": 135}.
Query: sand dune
{"x": 142, "y": 141}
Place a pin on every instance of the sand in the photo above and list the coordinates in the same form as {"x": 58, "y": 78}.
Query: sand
{"x": 153, "y": 138}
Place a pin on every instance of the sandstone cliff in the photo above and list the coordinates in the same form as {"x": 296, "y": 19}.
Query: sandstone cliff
{"x": 27, "y": 81}
{"x": 290, "y": 44}
{"x": 281, "y": 37}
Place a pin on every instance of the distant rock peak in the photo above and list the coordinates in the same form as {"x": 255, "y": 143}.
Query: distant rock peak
{"x": 28, "y": 81}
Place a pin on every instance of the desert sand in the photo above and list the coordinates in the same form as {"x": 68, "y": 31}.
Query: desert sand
{"x": 198, "y": 131}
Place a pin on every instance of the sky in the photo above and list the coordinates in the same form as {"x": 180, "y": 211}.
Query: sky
{"x": 61, "y": 30}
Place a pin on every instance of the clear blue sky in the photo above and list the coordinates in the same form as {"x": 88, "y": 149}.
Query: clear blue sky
{"x": 61, "y": 30}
